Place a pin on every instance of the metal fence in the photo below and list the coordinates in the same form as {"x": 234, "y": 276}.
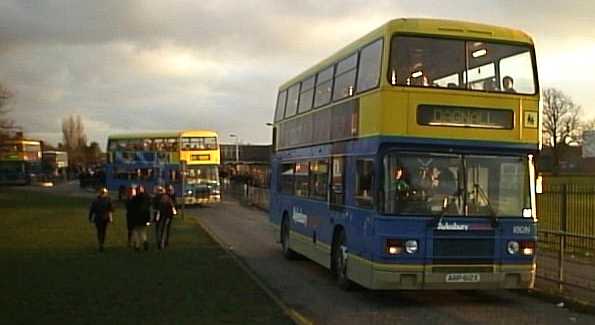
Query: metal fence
{"x": 566, "y": 215}
{"x": 248, "y": 195}
{"x": 569, "y": 208}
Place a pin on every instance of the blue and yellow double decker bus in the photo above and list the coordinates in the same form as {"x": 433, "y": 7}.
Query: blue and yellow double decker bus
{"x": 406, "y": 159}
{"x": 187, "y": 160}
{"x": 20, "y": 161}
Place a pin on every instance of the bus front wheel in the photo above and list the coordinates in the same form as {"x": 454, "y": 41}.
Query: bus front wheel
{"x": 287, "y": 252}
{"x": 340, "y": 260}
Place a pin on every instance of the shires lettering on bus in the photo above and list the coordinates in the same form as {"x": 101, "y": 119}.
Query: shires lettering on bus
{"x": 444, "y": 225}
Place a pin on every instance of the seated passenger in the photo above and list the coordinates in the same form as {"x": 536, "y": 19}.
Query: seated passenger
{"x": 401, "y": 185}
{"x": 508, "y": 84}
{"x": 490, "y": 85}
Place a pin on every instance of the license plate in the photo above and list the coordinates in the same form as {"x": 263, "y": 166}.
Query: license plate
{"x": 462, "y": 277}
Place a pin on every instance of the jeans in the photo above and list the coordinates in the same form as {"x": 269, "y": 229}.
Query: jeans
{"x": 101, "y": 232}
{"x": 139, "y": 236}
{"x": 164, "y": 226}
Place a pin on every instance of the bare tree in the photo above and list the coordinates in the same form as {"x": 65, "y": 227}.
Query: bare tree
{"x": 93, "y": 153}
{"x": 5, "y": 123}
{"x": 561, "y": 124}
{"x": 589, "y": 125}
{"x": 74, "y": 139}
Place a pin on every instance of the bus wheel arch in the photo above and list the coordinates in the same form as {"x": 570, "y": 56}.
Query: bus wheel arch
{"x": 284, "y": 234}
{"x": 339, "y": 258}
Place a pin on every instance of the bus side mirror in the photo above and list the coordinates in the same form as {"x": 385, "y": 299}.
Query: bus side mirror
{"x": 539, "y": 185}
{"x": 445, "y": 204}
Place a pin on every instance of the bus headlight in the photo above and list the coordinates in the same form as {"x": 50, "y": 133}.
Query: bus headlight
{"x": 512, "y": 247}
{"x": 527, "y": 247}
{"x": 394, "y": 246}
{"x": 411, "y": 246}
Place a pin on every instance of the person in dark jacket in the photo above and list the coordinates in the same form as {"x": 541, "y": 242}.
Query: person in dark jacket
{"x": 166, "y": 212}
{"x": 130, "y": 211}
{"x": 157, "y": 193}
{"x": 100, "y": 213}
{"x": 171, "y": 191}
{"x": 141, "y": 218}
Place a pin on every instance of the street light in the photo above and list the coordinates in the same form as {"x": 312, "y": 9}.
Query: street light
{"x": 237, "y": 138}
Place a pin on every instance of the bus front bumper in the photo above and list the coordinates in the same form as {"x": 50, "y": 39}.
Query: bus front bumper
{"x": 459, "y": 277}
{"x": 191, "y": 200}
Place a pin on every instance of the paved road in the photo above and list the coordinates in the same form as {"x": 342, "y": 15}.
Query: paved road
{"x": 309, "y": 288}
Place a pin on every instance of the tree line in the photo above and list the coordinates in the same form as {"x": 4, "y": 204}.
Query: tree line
{"x": 6, "y": 124}
{"x": 74, "y": 139}
{"x": 562, "y": 124}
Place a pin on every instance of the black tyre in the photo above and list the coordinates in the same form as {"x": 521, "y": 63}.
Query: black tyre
{"x": 340, "y": 261}
{"x": 285, "y": 230}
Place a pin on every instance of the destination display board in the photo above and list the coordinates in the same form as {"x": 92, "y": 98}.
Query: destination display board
{"x": 471, "y": 117}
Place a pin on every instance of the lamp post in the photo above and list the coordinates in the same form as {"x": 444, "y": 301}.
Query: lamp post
{"x": 233, "y": 135}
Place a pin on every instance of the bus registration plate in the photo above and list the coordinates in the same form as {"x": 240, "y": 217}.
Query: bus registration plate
{"x": 462, "y": 277}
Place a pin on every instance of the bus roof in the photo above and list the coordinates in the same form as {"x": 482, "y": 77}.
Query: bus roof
{"x": 423, "y": 26}
{"x": 22, "y": 141}
{"x": 171, "y": 134}
{"x": 58, "y": 152}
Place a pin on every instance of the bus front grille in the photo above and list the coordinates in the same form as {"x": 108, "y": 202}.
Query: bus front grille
{"x": 463, "y": 251}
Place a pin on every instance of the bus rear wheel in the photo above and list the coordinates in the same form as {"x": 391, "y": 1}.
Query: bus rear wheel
{"x": 287, "y": 252}
{"x": 340, "y": 261}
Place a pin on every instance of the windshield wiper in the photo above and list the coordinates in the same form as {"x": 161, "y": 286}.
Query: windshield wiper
{"x": 479, "y": 190}
{"x": 438, "y": 218}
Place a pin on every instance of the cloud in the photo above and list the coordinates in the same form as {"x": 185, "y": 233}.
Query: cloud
{"x": 139, "y": 65}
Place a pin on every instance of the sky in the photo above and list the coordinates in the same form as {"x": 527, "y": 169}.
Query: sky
{"x": 138, "y": 66}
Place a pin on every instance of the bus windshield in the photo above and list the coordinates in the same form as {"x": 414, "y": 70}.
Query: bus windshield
{"x": 12, "y": 166}
{"x": 199, "y": 143}
{"x": 461, "y": 64}
{"x": 463, "y": 185}
{"x": 202, "y": 174}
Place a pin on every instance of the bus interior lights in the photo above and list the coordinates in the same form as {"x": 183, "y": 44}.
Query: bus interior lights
{"x": 479, "y": 53}
{"x": 417, "y": 74}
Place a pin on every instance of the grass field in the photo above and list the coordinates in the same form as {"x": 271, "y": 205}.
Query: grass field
{"x": 51, "y": 272}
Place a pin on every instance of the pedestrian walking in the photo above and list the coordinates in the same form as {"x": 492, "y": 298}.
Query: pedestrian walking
{"x": 130, "y": 194}
{"x": 166, "y": 212}
{"x": 100, "y": 213}
{"x": 141, "y": 218}
{"x": 171, "y": 191}
{"x": 158, "y": 191}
